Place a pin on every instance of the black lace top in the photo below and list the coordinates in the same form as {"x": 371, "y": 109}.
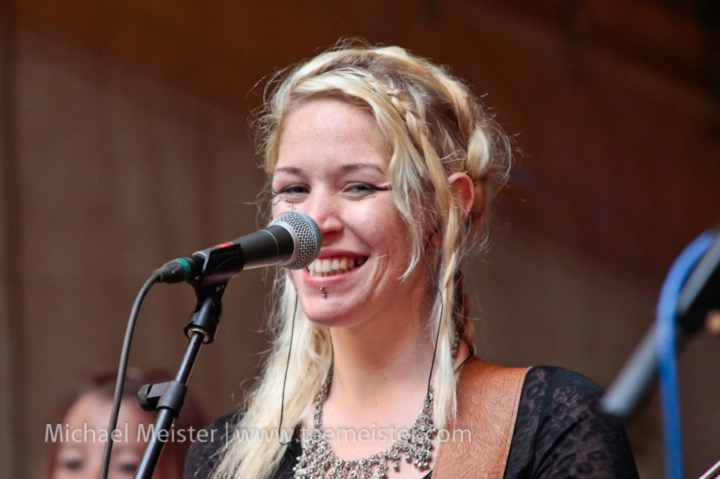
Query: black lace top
{"x": 559, "y": 433}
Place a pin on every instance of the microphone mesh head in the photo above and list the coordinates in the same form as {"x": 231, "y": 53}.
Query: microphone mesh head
{"x": 307, "y": 234}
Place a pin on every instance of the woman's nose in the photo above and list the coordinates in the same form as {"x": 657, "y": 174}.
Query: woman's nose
{"x": 325, "y": 210}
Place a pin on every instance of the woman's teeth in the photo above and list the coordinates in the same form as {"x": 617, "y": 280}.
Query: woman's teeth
{"x": 331, "y": 266}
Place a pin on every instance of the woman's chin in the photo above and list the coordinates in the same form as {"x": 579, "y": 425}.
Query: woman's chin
{"x": 327, "y": 314}
{"x": 324, "y": 317}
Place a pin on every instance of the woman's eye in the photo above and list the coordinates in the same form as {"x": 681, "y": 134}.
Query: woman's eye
{"x": 362, "y": 189}
{"x": 127, "y": 468}
{"x": 290, "y": 193}
{"x": 294, "y": 190}
{"x": 72, "y": 464}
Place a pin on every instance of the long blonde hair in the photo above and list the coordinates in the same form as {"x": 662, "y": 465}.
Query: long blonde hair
{"x": 434, "y": 127}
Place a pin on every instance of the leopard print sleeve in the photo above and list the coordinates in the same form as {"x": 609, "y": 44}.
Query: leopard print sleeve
{"x": 560, "y": 431}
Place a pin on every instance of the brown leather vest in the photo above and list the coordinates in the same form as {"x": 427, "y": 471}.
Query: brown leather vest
{"x": 477, "y": 443}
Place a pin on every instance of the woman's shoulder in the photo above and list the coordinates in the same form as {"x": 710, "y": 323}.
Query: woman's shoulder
{"x": 558, "y": 388}
{"x": 204, "y": 453}
{"x": 561, "y": 431}
{"x": 554, "y": 399}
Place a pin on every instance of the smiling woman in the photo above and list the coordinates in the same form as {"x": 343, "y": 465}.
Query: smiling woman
{"x": 372, "y": 364}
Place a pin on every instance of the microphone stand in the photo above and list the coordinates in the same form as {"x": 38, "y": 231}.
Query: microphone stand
{"x": 699, "y": 295}
{"x": 168, "y": 398}
{"x": 693, "y": 307}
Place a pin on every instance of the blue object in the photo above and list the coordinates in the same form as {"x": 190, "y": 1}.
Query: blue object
{"x": 666, "y": 339}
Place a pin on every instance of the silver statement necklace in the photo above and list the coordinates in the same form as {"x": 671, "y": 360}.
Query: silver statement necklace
{"x": 318, "y": 461}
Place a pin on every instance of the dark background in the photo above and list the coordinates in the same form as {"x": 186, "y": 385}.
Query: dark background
{"x": 124, "y": 142}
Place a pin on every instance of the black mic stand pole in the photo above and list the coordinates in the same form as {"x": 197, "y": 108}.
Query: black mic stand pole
{"x": 167, "y": 398}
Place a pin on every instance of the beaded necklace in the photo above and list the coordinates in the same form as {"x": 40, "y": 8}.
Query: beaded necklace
{"x": 318, "y": 461}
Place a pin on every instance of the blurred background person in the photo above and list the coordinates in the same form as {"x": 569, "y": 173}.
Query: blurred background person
{"x": 77, "y": 440}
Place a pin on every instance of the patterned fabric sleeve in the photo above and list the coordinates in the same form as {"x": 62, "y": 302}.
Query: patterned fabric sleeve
{"x": 561, "y": 433}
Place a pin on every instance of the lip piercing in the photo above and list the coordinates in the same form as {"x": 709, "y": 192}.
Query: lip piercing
{"x": 322, "y": 290}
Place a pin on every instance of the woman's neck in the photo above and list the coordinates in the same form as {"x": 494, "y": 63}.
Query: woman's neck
{"x": 391, "y": 347}
{"x": 367, "y": 364}
{"x": 378, "y": 387}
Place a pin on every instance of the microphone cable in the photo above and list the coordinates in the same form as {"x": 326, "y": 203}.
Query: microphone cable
{"x": 287, "y": 368}
{"x": 666, "y": 340}
{"x": 122, "y": 368}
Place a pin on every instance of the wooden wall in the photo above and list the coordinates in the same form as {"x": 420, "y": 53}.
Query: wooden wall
{"x": 615, "y": 103}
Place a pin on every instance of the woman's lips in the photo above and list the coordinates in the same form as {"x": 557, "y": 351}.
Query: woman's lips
{"x": 334, "y": 265}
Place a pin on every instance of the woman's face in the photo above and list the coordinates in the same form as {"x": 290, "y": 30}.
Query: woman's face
{"x": 332, "y": 165}
{"x": 86, "y": 424}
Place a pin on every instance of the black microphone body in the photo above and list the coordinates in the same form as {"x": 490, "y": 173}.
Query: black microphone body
{"x": 291, "y": 240}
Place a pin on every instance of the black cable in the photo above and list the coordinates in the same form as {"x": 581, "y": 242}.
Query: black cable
{"x": 472, "y": 353}
{"x": 442, "y": 307}
{"x": 122, "y": 369}
{"x": 287, "y": 367}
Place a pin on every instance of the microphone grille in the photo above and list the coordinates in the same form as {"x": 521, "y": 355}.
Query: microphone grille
{"x": 308, "y": 237}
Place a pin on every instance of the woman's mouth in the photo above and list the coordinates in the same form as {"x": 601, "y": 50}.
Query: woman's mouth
{"x": 333, "y": 266}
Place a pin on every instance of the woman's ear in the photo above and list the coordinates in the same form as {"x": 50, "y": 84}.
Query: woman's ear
{"x": 464, "y": 192}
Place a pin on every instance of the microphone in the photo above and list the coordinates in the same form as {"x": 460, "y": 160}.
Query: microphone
{"x": 291, "y": 240}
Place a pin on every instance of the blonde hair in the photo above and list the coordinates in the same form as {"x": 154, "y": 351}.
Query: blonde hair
{"x": 434, "y": 127}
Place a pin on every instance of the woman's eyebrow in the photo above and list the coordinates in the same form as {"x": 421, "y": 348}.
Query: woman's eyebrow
{"x": 361, "y": 166}
{"x": 291, "y": 170}
{"x": 72, "y": 446}
{"x": 134, "y": 447}
{"x": 350, "y": 167}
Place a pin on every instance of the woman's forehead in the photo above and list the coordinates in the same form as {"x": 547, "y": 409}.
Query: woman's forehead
{"x": 332, "y": 130}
